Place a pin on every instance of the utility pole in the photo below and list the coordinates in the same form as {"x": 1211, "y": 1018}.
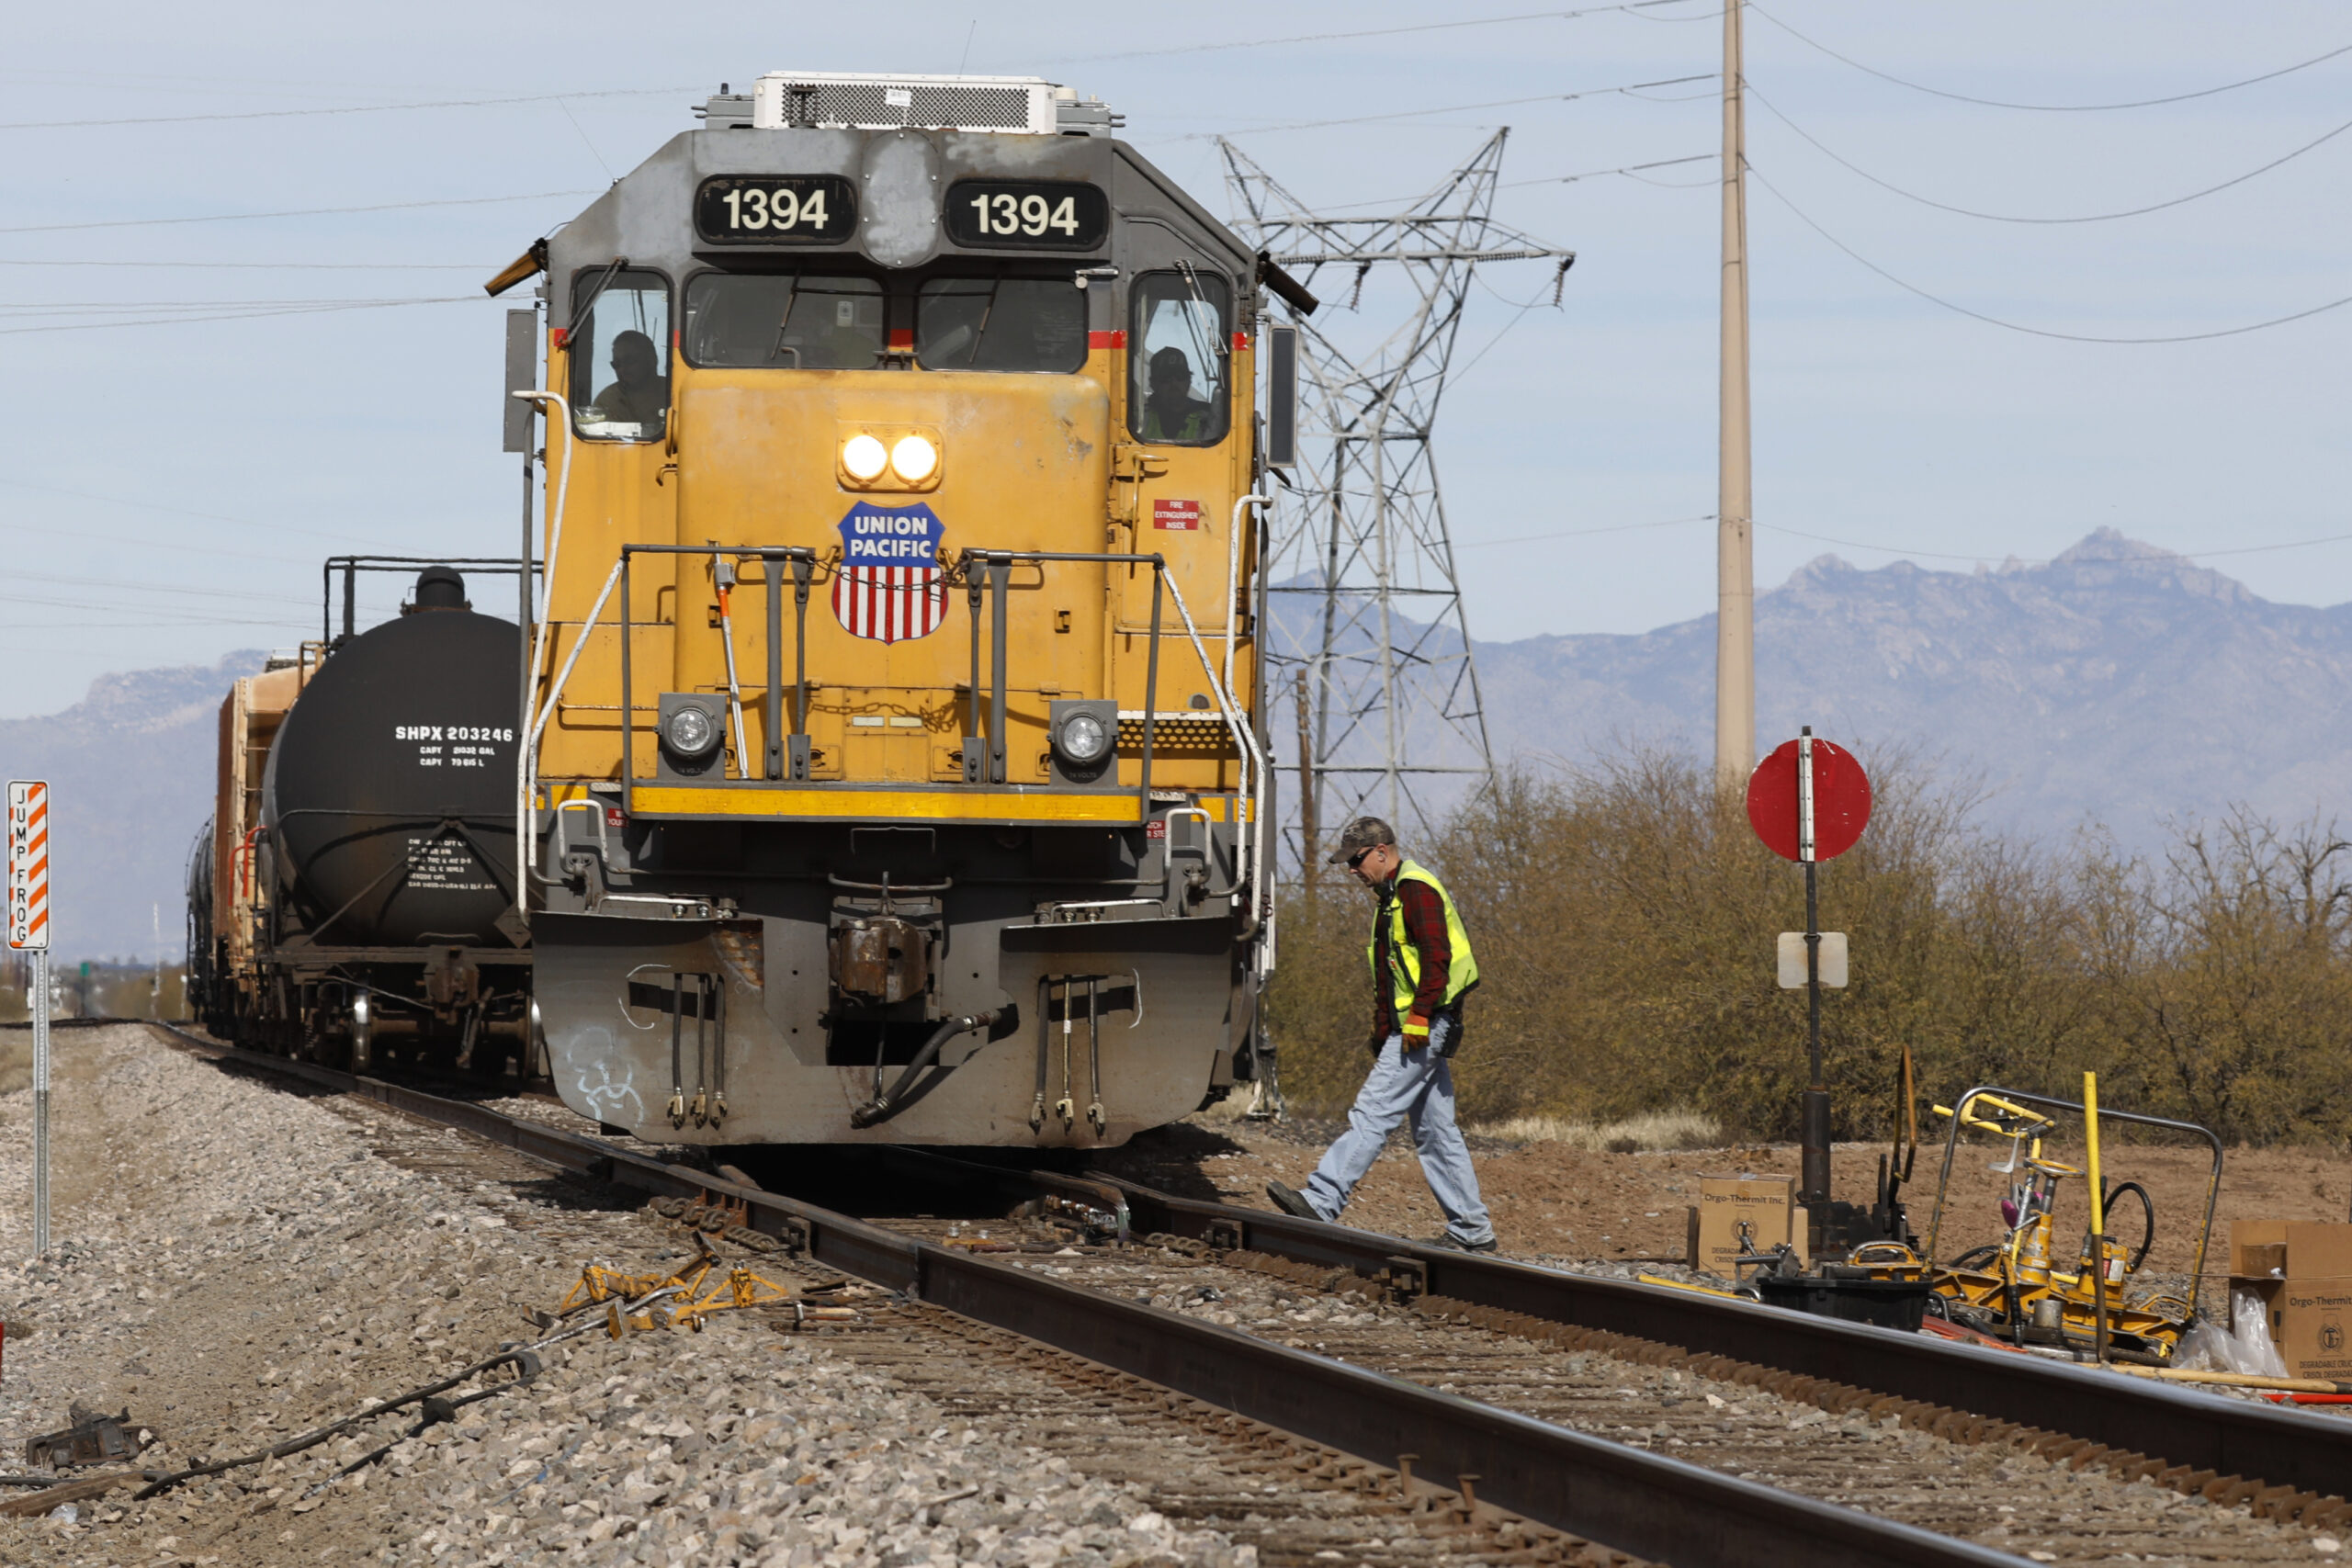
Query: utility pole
{"x": 1735, "y": 499}
{"x": 1366, "y": 596}
{"x": 1310, "y": 844}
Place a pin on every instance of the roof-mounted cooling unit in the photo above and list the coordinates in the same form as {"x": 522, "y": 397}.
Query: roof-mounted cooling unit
{"x": 1024, "y": 105}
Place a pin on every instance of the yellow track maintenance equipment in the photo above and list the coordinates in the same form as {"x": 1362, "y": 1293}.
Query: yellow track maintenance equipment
{"x": 894, "y": 766}
{"x": 2028, "y": 1288}
{"x": 684, "y": 1299}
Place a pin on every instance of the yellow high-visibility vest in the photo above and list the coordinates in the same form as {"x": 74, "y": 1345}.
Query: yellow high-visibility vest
{"x": 1405, "y": 959}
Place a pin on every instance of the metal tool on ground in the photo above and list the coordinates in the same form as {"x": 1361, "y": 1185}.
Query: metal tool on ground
{"x": 1808, "y": 802}
{"x": 697, "y": 1294}
{"x": 2019, "y": 1288}
{"x": 93, "y": 1438}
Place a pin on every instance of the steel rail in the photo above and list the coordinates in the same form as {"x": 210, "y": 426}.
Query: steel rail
{"x": 1619, "y": 1496}
{"x": 2313, "y": 1453}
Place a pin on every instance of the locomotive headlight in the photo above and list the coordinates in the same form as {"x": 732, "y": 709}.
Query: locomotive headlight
{"x": 864, "y": 458}
{"x": 692, "y": 730}
{"x": 913, "y": 459}
{"x": 1082, "y": 739}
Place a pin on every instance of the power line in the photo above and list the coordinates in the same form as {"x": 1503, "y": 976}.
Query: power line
{"x": 1360, "y": 33}
{"x": 1416, "y": 114}
{"x": 2019, "y": 326}
{"x": 300, "y": 309}
{"x": 181, "y": 512}
{"x": 261, "y": 267}
{"x": 2045, "y": 109}
{"x": 1546, "y": 180}
{"x": 331, "y": 108}
{"x": 2011, "y": 218}
{"x": 117, "y": 582}
{"x": 1596, "y": 174}
{"x": 294, "y": 212}
{"x": 50, "y": 532}
{"x": 2174, "y": 555}
{"x": 1585, "y": 533}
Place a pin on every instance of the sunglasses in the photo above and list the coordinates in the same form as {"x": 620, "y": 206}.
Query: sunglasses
{"x": 1355, "y": 860}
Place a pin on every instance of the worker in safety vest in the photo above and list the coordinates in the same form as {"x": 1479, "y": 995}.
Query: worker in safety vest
{"x": 1421, "y": 969}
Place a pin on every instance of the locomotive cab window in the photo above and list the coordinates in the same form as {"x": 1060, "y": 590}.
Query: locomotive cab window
{"x": 784, "y": 322}
{"x": 619, "y": 345}
{"x": 1176, "y": 359}
{"x": 1001, "y": 323}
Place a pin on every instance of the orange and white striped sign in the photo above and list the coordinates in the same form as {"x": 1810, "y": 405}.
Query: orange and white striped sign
{"x": 28, "y": 864}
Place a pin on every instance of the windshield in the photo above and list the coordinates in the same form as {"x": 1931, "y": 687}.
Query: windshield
{"x": 1176, "y": 359}
{"x": 1001, "y": 323}
{"x": 619, "y": 345}
{"x": 789, "y": 321}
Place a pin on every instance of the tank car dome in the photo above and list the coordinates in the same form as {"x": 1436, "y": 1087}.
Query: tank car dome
{"x": 390, "y": 791}
{"x": 440, "y": 588}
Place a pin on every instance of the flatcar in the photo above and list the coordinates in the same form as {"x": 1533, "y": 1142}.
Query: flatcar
{"x": 353, "y": 899}
{"x": 894, "y": 769}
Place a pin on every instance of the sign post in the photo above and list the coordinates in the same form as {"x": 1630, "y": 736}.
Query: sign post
{"x": 29, "y": 933}
{"x": 1809, "y": 802}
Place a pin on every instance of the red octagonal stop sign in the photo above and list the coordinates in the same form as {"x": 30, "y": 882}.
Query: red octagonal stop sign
{"x": 1841, "y": 800}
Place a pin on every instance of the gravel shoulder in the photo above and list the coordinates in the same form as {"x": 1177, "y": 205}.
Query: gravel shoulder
{"x": 236, "y": 1264}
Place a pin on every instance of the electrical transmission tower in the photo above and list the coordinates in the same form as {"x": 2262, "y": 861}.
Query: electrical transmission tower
{"x": 1368, "y": 639}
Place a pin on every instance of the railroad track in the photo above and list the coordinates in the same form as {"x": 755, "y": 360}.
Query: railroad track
{"x": 1508, "y": 1466}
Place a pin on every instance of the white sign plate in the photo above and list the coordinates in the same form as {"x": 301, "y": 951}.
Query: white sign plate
{"x": 27, "y": 865}
{"x": 1791, "y": 960}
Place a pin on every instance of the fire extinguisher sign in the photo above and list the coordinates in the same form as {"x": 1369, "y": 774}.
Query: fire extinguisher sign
{"x": 28, "y": 866}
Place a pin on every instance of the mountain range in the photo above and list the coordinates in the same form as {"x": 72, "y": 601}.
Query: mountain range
{"x": 2118, "y": 684}
{"x": 130, "y": 769}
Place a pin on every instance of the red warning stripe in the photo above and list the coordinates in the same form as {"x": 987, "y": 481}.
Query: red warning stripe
{"x": 1106, "y": 340}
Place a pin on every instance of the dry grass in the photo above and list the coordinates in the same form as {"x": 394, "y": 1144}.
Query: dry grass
{"x": 1651, "y": 1130}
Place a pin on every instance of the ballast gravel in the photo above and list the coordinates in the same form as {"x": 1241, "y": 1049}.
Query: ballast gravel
{"x": 233, "y": 1265}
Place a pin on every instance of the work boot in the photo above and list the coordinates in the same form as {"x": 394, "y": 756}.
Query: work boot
{"x": 1291, "y": 1201}
{"x": 1447, "y": 1239}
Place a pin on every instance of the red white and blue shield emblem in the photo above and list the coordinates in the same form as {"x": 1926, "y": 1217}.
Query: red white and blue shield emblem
{"x": 888, "y": 587}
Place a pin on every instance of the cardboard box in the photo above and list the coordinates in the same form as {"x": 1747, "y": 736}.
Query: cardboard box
{"x": 1768, "y": 1204}
{"x": 2310, "y": 1299}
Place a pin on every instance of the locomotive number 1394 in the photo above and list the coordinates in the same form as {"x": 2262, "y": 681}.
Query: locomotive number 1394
{"x": 772, "y": 208}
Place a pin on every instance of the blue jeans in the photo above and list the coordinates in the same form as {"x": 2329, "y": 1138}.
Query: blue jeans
{"x": 1416, "y": 1086}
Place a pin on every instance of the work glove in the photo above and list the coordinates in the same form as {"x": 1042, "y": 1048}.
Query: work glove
{"x": 1415, "y": 1032}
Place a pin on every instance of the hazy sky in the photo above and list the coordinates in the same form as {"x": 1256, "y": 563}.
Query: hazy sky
{"x": 193, "y": 424}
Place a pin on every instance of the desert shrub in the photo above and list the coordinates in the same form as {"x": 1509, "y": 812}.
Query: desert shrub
{"x": 1625, "y": 920}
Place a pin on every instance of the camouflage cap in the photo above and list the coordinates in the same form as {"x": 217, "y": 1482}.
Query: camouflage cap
{"x": 1363, "y": 833}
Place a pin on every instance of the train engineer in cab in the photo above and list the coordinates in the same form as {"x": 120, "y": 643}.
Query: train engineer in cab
{"x": 1421, "y": 971}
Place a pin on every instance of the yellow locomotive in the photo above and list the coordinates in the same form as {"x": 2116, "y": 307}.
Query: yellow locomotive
{"x": 893, "y": 767}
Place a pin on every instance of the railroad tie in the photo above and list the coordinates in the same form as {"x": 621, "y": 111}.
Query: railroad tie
{"x": 2283, "y": 1503}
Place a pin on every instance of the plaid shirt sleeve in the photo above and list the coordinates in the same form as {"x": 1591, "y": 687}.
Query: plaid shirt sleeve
{"x": 1425, "y": 929}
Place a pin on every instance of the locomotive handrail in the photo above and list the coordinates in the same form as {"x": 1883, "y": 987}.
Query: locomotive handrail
{"x": 524, "y": 829}
{"x": 998, "y": 564}
{"x": 1245, "y": 738}
{"x": 536, "y": 640}
{"x": 1232, "y": 619}
{"x": 805, "y": 566}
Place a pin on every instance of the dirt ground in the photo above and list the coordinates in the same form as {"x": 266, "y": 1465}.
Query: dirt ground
{"x": 1553, "y": 1200}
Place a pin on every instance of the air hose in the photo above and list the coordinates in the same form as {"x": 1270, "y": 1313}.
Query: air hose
{"x": 882, "y": 1107}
